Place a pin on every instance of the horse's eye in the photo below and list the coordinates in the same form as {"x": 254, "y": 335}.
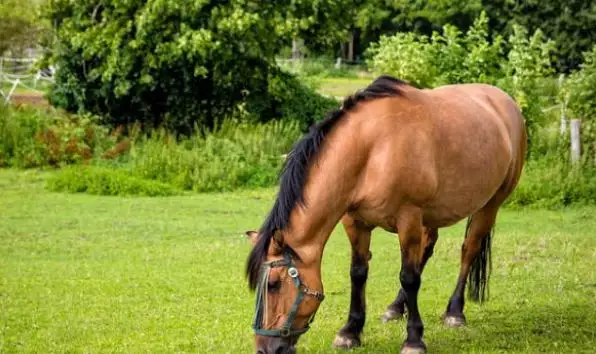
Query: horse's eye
{"x": 273, "y": 285}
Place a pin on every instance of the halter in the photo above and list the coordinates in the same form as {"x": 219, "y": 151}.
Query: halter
{"x": 286, "y": 330}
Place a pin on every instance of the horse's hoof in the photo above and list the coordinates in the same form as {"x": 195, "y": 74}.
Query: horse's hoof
{"x": 345, "y": 342}
{"x": 454, "y": 321}
{"x": 391, "y": 315}
{"x": 407, "y": 349}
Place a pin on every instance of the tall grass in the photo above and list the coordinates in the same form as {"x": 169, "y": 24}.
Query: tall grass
{"x": 234, "y": 155}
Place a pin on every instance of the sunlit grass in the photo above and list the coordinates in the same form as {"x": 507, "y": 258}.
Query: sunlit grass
{"x": 81, "y": 273}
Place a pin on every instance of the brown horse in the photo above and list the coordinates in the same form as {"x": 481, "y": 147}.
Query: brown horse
{"x": 394, "y": 156}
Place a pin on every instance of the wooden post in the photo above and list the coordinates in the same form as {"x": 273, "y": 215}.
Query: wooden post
{"x": 338, "y": 63}
{"x": 575, "y": 140}
{"x": 295, "y": 49}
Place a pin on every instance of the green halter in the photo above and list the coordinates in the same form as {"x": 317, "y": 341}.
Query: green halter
{"x": 286, "y": 330}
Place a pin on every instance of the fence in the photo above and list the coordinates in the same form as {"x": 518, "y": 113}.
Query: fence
{"x": 21, "y": 73}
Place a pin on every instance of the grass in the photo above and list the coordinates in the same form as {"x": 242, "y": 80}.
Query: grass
{"x": 82, "y": 273}
{"x": 341, "y": 87}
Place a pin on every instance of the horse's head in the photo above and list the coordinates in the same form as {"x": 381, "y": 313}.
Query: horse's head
{"x": 285, "y": 302}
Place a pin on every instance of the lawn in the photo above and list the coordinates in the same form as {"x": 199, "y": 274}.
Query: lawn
{"x": 92, "y": 274}
{"x": 341, "y": 87}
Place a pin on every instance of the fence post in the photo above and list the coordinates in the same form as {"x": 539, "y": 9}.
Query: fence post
{"x": 575, "y": 140}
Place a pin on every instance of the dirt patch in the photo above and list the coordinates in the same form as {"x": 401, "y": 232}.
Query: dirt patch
{"x": 30, "y": 99}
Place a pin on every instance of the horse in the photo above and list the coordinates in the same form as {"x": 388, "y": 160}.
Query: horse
{"x": 394, "y": 156}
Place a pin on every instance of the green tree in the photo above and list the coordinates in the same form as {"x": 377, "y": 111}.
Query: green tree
{"x": 569, "y": 23}
{"x": 177, "y": 63}
{"x": 20, "y": 26}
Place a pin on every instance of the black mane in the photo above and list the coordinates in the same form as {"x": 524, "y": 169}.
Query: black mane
{"x": 295, "y": 171}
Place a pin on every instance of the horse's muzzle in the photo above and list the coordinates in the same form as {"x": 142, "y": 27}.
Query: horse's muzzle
{"x": 276, "y": 345}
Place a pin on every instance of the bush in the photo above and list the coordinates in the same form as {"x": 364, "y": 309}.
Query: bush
{"x": 581, "y": 91}
{"x": 105, "y": 181}
{"x": 452, "y": 57}
{"x": 551, "y": 183}
{"x": 31, "y": 137}
{"x": 446, "y": 58}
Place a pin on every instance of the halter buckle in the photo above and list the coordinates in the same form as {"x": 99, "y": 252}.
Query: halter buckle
{"x": 293, "y": 272}
{"x": 284, "y": 332}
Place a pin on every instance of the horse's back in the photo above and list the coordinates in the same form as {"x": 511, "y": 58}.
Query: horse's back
{"x": 478, "y": 133}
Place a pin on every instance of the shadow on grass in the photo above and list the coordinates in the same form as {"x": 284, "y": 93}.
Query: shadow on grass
{"x": 549, "y": 329}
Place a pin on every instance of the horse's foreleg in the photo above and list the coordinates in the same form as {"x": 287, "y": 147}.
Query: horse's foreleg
{"x": 359, "y": 235}
{"x": 397, "y": 308}
{"x": 411, "y": 237}
{"x": 474, "y": 258}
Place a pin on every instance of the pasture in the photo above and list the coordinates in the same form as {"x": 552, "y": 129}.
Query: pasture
{"x": 81, "y": 273}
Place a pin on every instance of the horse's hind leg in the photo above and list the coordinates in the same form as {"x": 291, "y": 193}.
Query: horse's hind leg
{"x": 397, "y": 308}
{"x": 359, "y": 235}
{"x": 475, "y": 258}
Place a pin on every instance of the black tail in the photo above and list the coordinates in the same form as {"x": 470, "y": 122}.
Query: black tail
{"x": 480, "y": 269}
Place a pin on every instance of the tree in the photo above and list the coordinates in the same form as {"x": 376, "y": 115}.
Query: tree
{"x": 173, "y": 63}
{"x": 20, "y": 27}
{"x": 569, "y": 23}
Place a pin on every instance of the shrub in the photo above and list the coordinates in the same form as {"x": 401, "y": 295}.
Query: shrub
{"x": 581, "y": 88}
{"x": 552, "y": 183}
{"x": 31, "y": 137}
{"x": 105, "y": 181}
{"x": 446, "y": 58}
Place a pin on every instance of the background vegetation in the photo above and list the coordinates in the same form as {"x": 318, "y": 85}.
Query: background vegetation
{"x": 157, "y": 100}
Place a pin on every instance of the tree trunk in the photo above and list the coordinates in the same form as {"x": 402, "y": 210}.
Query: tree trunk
{"x": 351, "y": 46}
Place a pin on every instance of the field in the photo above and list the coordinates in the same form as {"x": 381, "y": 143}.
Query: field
{"x": 81, "y": 273}
{"x": 340, "y": 87}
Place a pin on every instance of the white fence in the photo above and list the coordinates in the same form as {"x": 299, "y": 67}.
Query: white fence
{"x": 21, "y": 73}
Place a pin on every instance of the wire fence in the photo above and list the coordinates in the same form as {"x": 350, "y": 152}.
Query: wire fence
{"x": 22, "y": 74}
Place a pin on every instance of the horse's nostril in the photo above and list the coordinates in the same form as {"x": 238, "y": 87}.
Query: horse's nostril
{"x": 261, "y": 351}
{"x": 281, "y": 350}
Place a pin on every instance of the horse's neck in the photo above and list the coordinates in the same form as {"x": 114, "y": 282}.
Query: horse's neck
{"x": 327, "y": 196}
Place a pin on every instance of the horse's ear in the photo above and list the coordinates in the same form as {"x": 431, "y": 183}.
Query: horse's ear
{"x": 252, "y": 236}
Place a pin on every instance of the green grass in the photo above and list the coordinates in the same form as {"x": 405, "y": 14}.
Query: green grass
{"x": 341, "y": 87}
{"x": 82, "y": 273}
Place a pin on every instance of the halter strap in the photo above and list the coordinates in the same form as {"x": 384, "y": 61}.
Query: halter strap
{"x": 286, "y": 330}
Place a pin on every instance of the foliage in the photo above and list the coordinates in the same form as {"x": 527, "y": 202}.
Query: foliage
{"x": 568, "y": 23}
{"x": 550, "y": 183}
{"x": 235, "y": 155}
{"x": 171, "y": 63}
{"x": 45, "y": 137}
{"x": 450, "y": 57}
{"x": 581, "y": 88}
{"x": 106, "y": 181}
{"x": 19, "y": 25}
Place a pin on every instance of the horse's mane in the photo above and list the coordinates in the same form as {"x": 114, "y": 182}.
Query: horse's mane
{"x": 295, "y": 171}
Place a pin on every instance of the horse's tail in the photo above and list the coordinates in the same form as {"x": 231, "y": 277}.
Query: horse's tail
{"x": 480, "y": 268}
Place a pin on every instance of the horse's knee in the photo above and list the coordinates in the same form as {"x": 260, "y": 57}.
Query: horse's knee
{"x": 410, "y": 279}
{"x": 359, "y": 270}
